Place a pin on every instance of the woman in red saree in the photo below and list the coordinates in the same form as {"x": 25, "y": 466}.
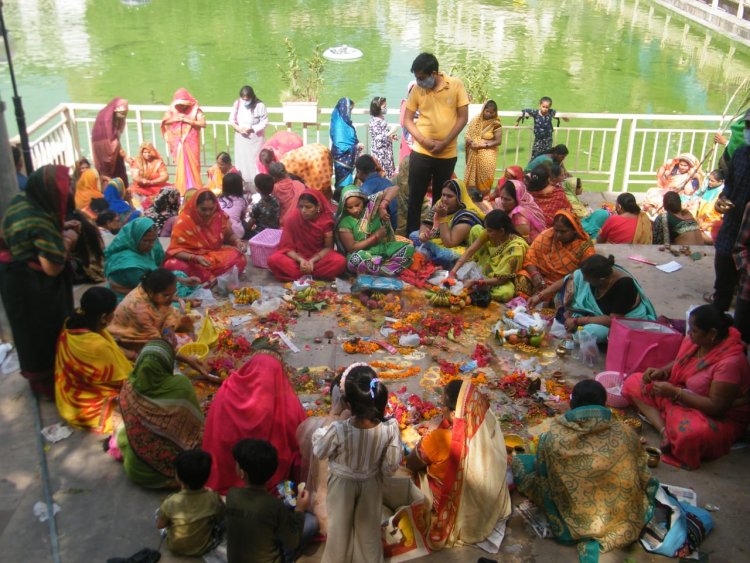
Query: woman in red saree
{"x": 306, "y": 246}
{"x": 181, "y": 127}
{"x": 699, "y": 403}
{"x": 257, "y": 401}
{"x": 464, "y": 463}
{"x": 203, "y": 243}
{"x": 109, "y": 156}
{"x": 276, "y": 147}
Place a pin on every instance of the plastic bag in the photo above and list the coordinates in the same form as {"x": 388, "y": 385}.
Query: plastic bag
{"x": 470, "y": 271}
{"x": 262, "y": 307}
{"x": 205, "y": 296}
{"x": 589, "y": 350}
{"x": 343, "y": 286}
{"x": 558, "y": 329}
{"x": 227, "y": 282}
{"x": 271, "y": 291}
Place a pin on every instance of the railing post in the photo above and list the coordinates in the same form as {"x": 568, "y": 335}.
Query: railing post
{"x": 715, "y": 4}
{"x": 741, "y": 9}
{"x": 72, "y": 124}
{"x": 139, "y": 126}
{"x": 615, "y": 155}
{"x": 629, "y": 156}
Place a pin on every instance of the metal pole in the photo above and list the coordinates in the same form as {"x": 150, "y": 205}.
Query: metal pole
{"x": 17, "y": 104}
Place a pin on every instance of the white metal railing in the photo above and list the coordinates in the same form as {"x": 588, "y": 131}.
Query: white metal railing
{"x": 614, "y": 152}
{"x": 740, "y": 13}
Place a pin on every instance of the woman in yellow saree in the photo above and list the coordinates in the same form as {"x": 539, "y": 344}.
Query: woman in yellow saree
{"x": 483, "y": 138}
{"x": 464, "y": 463}
{"x": 90, "y": 368}
{"x": 181, "y": 127}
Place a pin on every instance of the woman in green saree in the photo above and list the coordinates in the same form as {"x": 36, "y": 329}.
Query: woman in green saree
{"x": 364, "y": 232}
{"x": 596, "y": 292}
{"x": 499, "y": 251}
{"x": 161, "y": 418}
{"x": 589, "y": 476}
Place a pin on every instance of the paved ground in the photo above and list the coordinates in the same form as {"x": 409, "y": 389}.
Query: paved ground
{"x": 102, "y": 515}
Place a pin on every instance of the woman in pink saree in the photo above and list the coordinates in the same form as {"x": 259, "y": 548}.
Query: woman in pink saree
{"x": 277, "y": 146}
{"x": 109, "y": 156}
{"x": 181, "y": 127}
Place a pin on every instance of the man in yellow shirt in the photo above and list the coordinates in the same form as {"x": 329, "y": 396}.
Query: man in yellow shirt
{"x": 443, "y": 107}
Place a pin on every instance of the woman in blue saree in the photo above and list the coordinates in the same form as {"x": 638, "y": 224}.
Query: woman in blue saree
{"x": 118, "y": 199}
{"x": 344, "y": 144}
{"x": 598, "y": 291}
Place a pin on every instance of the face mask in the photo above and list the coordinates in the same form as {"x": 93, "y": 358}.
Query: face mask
{"x": 248, "y": 103}
{"x": 747, "y": 136}
{"x": 428, "y": 83}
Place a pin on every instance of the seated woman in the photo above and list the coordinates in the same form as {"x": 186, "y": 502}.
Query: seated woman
{"x": 133, "y": 253}
{"x": 88, "y": 187}
{"x": 548, "y": 196}
{"x": 464, "y": 463}
{"x": 314, "y": 164}
{"x": 161, "y": 417}
{"x": 119, "y": 200}
{"x": 149, "y": 174}
{"x": 370, "y": 245}
{"x": 89, "y": 366}
{"x": 216, "y": 173}
{"x": 702, "y": 205}
{"x": 261, "y": 387}
{"x": 306, "y": 246}
{"x": 443, "y": 235}
{"x": 80, "y": 166}
{"x": 589, "y": 476}
{"x": 146, "y": 312}
{"x": 164, "y": 211}
{"x": 86, "y": 258}
{"x": 682, "y": 174}
{"x": 275, "y": 148}
{"x": 598, "y": 291}
{"x": 233, "y": 203}
{"x": 553, "y": 255}
{"x": 629, "y": 225}
{"x": 203, "y": 244}
{"x": 510, "y": 173}
{"x": 573, "y": 187}
{"x": 676, "y": 225}
{"x": 499, "y": 250}
{"x": 699, "y": 403}
{"x": 516, "y": 201}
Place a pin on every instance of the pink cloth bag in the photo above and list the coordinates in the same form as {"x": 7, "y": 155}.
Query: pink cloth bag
{"x": 635, "y": 345}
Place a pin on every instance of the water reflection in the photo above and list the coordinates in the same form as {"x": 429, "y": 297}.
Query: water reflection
{"x": 589, "y": 55}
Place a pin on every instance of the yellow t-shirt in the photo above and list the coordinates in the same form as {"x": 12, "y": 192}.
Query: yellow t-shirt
{"x": 438, "y": 112}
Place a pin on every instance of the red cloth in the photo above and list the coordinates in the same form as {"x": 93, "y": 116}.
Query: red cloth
{"x": 618, "y": 229}
{"x": 280, "y": 143}
{"x": 692, "y": 435}
{"x": 257, "y": 401}
{"x": 304, "y": 237}
{"x": 287, "y": 191}
{"x": 105, "y": 141}
{"x": 330, "y": 267}
{"x": 551, "y": 202}
{"x": 515, "y": 173}
{"x": 195, "y": 235}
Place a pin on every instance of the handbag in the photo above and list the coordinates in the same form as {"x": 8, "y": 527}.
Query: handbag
{"x": 635, "y": 345}
{"x": 676, "y": 528}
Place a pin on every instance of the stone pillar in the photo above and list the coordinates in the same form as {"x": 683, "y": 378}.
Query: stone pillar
{"x": 8, "y": 188}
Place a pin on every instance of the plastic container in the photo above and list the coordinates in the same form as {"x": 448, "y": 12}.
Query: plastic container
{"x": 197, "y": 349}
{"x": 263, "y": 245}
{"x": 612, "y": 382}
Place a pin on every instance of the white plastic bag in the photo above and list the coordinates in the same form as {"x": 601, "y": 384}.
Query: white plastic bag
{"x": 227, "y": 282}
{"x": 343, "y": 287}
{"x": 470, "y": 271}
{"x": 558, "y": 329}
{"x": 589, "y": 350}
{"x": 265, "y": 306}
{"x": 205, "y": 296}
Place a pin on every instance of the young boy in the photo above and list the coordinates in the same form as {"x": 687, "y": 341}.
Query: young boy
{"x": 542, "y": 125}
{"x": 191, "y": 515}
{"x": 260, "y": 529}
{"x": 264, "y": 214}
{"x": 108, "y": 222}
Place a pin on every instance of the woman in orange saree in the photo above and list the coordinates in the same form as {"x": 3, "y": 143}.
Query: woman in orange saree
{"x": 203, "y": 243}
{"x": 181, "y": 127}
{"x": 149, "y": 174}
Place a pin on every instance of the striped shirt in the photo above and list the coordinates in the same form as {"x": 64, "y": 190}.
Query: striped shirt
{"x": 358, "y": 453}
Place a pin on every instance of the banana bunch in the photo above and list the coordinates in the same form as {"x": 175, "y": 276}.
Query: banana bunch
{"x": 439, "y": 297}
{"x": 246, "y": 295}
{"x": 307, "y": 294}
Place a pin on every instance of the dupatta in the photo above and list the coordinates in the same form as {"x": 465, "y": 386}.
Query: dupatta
{"x": 527, "y": 207}
{"x": 196, "y": 235}
{"x": 468, "y": 211}
{"x": 105, "y": 136}
{"x": 581, "y": 301}
{"x": 149, "y": 169}
{"x": 307, "y": 237}
{"x": 671, "y": 179}
{"x": 183, "y": 140}
{"x": 343, "y": 141}
{"x": 87, "y": 188}
{"x": 160, "y": 409}
{"x": 553, "y": 259}
{"x": 474, "y": 495}
{"x": 114, "y": 193}
{"x": 123, "y": 253}
{"x": 256, "y": 401}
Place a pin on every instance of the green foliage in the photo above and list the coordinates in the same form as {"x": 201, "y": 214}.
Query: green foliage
{"x": 302, "y": 85}
{"x": 476, "y": 76}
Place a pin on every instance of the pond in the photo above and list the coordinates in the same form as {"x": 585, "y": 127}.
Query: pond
{"x": 617, "y": 56}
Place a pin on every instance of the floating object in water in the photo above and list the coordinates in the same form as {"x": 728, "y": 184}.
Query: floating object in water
{"x": 342, "y": 53}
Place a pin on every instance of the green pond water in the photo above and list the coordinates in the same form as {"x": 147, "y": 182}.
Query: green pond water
{"x": 588, "y": 55}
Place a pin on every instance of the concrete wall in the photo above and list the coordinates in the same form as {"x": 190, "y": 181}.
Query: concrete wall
{"x": 718, "y": 20}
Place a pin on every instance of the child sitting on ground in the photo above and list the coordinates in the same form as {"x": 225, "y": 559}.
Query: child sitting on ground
{"x": 233, "y": 203}
{"x": 543, "y": 128}
{"x": 260, "y": 529}
{"x": 108, "y": 222}
{"x": 360, "y": 451}
{"x": 191, "y": 516}
{"x": 266, "y": 212}
{"x": 476, "y": 197}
